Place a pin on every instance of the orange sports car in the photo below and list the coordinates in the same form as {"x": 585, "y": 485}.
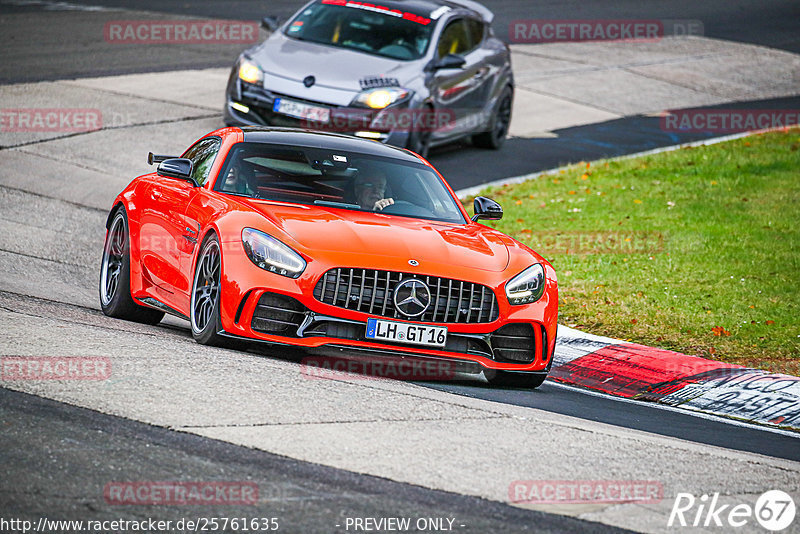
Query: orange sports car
{"x": 331, "y": 244}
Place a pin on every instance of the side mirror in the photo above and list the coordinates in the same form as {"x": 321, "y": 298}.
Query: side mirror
{"x": 180, "y": 168}
{"x": 450, "y": 61}
{"x": 270, "y": 23}
{"x": 486, "y": 208}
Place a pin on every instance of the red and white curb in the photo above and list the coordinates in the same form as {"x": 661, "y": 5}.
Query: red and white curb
{"x": 669, "y": 378}
{"x": 645, "y": 373}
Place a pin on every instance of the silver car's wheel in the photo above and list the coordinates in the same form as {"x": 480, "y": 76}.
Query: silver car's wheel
{"x": 496, "y": 136}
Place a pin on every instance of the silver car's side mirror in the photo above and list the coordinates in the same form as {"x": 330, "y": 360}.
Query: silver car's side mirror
{"x": 270, "y": 23}
{"x": 450, "y": 61}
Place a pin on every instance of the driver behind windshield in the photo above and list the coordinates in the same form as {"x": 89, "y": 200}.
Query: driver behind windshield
{"x": 238, "y": 181}
{"x": 370, "y": 189}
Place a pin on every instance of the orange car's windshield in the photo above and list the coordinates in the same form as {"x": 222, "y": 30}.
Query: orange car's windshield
{"x": 337, "y": 179}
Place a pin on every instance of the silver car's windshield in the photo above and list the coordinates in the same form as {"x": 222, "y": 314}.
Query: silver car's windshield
{"x": 338, "y": 180}
{"x": 369, "y": 28}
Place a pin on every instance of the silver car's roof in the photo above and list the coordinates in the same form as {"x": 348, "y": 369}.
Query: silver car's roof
{"x": 480, "y": 9}
{"x": 427, "y": 7}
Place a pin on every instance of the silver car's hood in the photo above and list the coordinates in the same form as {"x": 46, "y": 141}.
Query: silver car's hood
{"x": 333, "y": 68}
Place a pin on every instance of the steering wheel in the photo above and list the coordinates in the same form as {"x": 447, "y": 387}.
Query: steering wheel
{"x": 399, "y": 51}
{"x": 403, "y": 207}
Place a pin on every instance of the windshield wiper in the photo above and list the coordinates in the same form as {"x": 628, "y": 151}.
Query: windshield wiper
{"x": 333, "y": 204}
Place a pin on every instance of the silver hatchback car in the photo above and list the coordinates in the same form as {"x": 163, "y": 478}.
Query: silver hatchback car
{"x": 410, "y": 73}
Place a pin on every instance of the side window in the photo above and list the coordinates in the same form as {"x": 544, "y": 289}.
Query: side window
{"x": 202, "y": 155}
{"x": 476, "y": 30}
{"x": 454, "y": 39}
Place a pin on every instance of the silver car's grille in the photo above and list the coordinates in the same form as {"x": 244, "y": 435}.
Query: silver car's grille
{"x": 305, "y": 101}
{"x": 371, "y": 291}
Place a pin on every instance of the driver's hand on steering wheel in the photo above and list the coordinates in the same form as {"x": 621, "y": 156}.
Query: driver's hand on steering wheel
{"x": 382, "y": 203}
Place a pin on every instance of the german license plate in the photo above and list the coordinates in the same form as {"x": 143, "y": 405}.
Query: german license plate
{"x": 415, "y": 334}
{"x": 300, "y": 110}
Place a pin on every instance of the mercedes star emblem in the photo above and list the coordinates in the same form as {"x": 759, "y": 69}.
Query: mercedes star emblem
{"x": 412, "y": 297}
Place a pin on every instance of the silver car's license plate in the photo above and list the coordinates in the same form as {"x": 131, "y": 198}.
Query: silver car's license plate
{"x": 416, "y": 334}
{"x": 300, "y": 110}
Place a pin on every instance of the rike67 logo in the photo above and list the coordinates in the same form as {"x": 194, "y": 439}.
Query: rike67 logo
{"x": 774, "y": 510}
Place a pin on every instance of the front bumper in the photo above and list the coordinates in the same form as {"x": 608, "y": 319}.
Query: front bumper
{"x": 266, "y": 307}
{"x": 252, "y": 105}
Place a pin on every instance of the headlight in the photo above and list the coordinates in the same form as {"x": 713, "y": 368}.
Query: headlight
{"x": 272, "y": 255}
{"x": 381, "y": 97}
{"x": 250, "y": 72}
{"x": 527, "y": 286}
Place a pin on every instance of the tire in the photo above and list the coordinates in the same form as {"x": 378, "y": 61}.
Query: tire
{"x": 496, "y": 136}
{"x": 204, "y": 307}
{"x": 115, "y": 276}
{"x": 420, "y": 141}
{"x": 518, "y": 380}
{"x": 521, "y": 380}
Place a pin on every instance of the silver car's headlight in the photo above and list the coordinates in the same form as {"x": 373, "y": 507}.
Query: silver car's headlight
{"x": 381, "y": 97}
{"x": 527, "y": 286}
{"x": 250, "y": 72}
{"x": 272, "y": 255}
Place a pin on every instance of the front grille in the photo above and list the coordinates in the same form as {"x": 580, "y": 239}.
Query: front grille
{"x": 371, "y": 291}
{"x": 519, "y": 343}
{"x": 277, "y": 314}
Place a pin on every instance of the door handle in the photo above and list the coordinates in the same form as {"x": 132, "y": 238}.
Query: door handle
{"x": 155, "y": 194}
{"x": 482, "y": 72}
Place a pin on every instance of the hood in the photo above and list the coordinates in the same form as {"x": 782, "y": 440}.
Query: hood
{"x": 338, "y": 232}
{"x": 335, "y": 68}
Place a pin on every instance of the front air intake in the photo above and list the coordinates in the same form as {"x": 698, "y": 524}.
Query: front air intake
{"x": 277, "y": 314}
{"x": 517, "y": 343}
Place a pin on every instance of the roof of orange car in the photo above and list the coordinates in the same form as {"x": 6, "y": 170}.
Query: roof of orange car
{"x": 325, "y": 140}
